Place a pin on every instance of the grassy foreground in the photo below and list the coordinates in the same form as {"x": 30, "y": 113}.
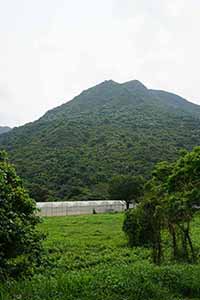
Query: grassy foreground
{"x": 88, "y": 258}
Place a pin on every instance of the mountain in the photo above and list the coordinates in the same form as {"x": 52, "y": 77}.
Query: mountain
{"x": 4, "y": 129}
{"x": 73, "y": 150}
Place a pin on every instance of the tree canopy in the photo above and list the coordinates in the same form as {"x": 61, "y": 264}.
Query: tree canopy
{"x": 127, "y": 188}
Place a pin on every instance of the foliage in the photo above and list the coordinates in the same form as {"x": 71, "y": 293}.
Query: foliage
{"x": 142, "y": 281}
{"x": 127, "y": 188}
{"x": 88, "y": 258}
{"x": 138, "y": 226}
{"x": 170, "y": 202}
{"x": 20, "y": 242}
{"x": 141, "y": 224}
{"x": 73, "y": 151}
{"x": 184, "y": 199}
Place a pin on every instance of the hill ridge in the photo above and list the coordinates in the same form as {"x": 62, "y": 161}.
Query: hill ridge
{"x": 72, "y": 151}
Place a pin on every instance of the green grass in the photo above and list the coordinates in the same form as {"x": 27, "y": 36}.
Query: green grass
{"x": 88, "y": 258}
{"x": 87, "y": 241}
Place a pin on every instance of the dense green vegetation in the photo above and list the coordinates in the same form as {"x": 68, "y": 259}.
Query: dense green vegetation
{"x": 126, "y": 187}
{"x": 171, "y": 199}
{"x": 88, "y": 258}
{"x": 112, "y": 129}
{"x": 20, "y": 241}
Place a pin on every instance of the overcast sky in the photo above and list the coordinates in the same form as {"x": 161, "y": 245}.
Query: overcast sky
{"x": 51, "y": 50}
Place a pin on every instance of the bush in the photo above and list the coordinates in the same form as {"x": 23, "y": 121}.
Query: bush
{"x": 20, "y": 242}
{"x": 137, "y": 227}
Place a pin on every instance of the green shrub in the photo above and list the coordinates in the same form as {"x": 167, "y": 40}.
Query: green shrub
{"x": 20, "y": 242}
{"x": 137, "y": 227}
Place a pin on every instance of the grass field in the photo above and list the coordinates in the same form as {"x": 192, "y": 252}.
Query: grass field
{"x": 88, "y": 258}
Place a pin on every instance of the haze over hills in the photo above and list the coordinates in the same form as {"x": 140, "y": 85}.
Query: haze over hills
{"x": 4, "y": 129}
{"x": 73, "y": 150}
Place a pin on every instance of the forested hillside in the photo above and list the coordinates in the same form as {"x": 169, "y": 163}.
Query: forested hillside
{"x": 73, "y": 150}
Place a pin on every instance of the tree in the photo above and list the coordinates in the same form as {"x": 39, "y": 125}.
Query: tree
{"x": 177, "y": 188}
{"x": 153, "y": 205}
{"x": 170, "y": 201}
{"x": 20, "y": 242}
{"x": 127, "y": 188}
{"x": 183, "y": 201}
{"x": 143, "y": 225}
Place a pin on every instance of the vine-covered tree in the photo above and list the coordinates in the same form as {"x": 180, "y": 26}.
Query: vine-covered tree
{"x": 20, "y": 242}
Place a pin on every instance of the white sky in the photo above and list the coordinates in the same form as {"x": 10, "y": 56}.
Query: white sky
{"x": 51, "y": 50}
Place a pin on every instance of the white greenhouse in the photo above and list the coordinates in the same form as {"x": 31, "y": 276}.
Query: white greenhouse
{"x": 79, "y": 207}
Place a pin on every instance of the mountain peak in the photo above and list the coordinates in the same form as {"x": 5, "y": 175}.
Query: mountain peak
{"x": 134, "y": 85}
{"x": 107, "y": 83}
{"x": 110, "y": 81}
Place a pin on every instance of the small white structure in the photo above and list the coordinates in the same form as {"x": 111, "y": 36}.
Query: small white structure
{"x": 79, "y": 207}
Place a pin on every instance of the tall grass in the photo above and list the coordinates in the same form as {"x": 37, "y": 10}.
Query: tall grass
{"x": 88, "y": 258}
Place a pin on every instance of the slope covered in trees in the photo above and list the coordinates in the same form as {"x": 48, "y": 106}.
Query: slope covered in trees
{"x": 110, "y": 129}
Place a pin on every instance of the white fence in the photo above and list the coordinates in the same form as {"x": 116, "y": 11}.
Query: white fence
{"x": 79, "y": 207}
